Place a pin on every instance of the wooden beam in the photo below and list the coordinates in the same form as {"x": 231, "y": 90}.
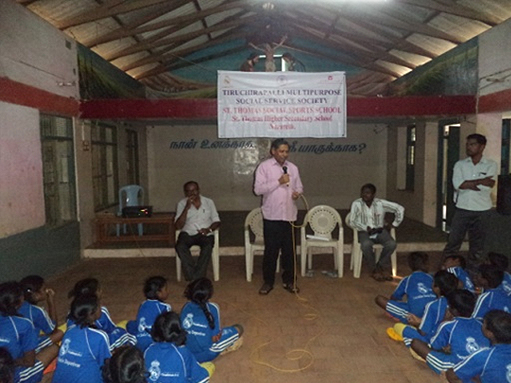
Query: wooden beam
{"x": 129, "y": 29}
{"x": 108, "y": 9}
{"x": 178, "y": 39}
{"x": 455, "y": 9}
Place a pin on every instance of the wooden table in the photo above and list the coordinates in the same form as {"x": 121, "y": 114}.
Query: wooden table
{"x": 105, "y": 223}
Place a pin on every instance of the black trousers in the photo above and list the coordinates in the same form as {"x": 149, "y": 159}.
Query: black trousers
{"x": 191, "y": 269}
{"x": 465, "y": 221}
{"x": 278, "y": 237}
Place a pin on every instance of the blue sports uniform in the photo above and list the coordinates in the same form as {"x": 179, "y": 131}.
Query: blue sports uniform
{"x": 117, "y": 336}
{"x": 463, "y": 335}
{"x": 434, "y": 314}
{"x": 494, "y": 299}
{"x": 492, "y": 365}
{"x": 199, "y": 339}
{"x": 419, "y": 292}
{"x": 147, "y": 314}
{"x": 18, "y": 337}
{"x": 41, "y": 321}
{"x": 82, "y": 354}
{"x": 506, "y": 283}
{"x": 167, "y": 363}
{"x": 463, "y": 276}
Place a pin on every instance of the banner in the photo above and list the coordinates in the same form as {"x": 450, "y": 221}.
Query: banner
{"x": 281, "y": 104}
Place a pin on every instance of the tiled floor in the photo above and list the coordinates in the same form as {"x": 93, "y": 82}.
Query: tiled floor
{"x": 331, "y": 332}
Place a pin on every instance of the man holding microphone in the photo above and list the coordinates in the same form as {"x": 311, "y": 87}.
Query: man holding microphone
{"x": 278, "y": 181}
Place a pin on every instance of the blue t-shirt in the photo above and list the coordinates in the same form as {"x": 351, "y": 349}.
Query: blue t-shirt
{"x": 167, "y": 363}
{"x": 418, "y": 288}
{"x": 464, "y": 335}
{"x": 463, "y": 276}
{"x": 494, "y": 299}
{"x": 17, "y": 335}
{"x": 147, "y": 314}
{"x": 39, "y": 318}
{"x": 434, "y": 314}
{"x": 82, "y": 354}
{"x": 492, "y": 365}
{"x": 195, "y": 323}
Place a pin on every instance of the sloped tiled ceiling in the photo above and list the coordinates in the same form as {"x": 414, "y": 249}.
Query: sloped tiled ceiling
{"x": 176, "y": 45}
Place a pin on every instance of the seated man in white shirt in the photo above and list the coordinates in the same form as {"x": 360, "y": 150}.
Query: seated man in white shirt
{"x": 197, "y": 218}
{"x": 367, "y": 216}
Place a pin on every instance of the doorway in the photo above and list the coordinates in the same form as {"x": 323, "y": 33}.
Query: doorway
{"x": 448, "y": 155}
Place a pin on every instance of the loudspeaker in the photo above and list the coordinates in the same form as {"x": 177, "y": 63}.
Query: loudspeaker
{"x": 504, "y": 195}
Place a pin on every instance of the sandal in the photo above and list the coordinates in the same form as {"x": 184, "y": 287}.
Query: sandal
{"x": 265, "y": 289}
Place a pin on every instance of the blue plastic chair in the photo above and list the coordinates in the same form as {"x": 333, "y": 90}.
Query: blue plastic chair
{"x": 130, "y": 195}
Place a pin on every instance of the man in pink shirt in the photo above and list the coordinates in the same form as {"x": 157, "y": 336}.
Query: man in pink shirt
{"x": 278, "y": 181}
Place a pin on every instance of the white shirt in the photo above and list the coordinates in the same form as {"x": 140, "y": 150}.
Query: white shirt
{"x": 200, "y": 218}
{"x": 465, "y": 170}
{"x": 362, "y": 216}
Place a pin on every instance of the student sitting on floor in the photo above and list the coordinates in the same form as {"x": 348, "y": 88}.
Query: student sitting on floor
{"x": 490, "y": 278}
{"x": 502, "y": 263}
{"x": 462, "y": 335}
{"x": 456, "y": 264}
{"x": 84, "y": 348}
{"x": 490, "y": 365}
{"x": 125, "y": 366}
{"x": 117, "y": 336}
{"x": 156, "y": 291}
{"x": 417, "y": 287}
{"x": 201, "y": 318}
{"x": 19, "y": 338}
{"x": 424, "y": 328}
{"x": 168, "y": 360}
{"x": 45, "y": 323}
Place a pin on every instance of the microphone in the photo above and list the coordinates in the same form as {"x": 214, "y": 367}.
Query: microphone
{"x": 284, "y": 169}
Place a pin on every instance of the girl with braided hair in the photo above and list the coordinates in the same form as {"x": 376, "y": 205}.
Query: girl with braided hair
{"x": 201, "y": 319}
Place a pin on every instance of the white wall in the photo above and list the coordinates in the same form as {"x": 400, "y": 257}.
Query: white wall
{"x": 495, "y": 59}
{"x": 226, "y": 175}
{"x": 21, "y": 193}
{"x": 33, "y": 52}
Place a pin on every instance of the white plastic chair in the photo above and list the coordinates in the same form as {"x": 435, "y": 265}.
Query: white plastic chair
{"x": 322, "y": 220}
{"x": 254, "y": 224}
{"x": 356, "y": 252}
{"x": 215, "y": 256}
{"x": 130, "y": 195}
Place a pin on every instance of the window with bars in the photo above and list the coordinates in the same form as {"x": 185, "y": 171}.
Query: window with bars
{"x": 411, "y": 137}
{"x": 132, "y": 170}
{"x": 58, "y": 169}
{"x": 104, "y": 165}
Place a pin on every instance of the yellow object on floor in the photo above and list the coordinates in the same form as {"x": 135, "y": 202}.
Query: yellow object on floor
{"x": 416, "y": 356}
{"x": 210, "y": 367}
{"x": 394, "y": 335}
{"x": 122, "y": 324}
{"x": 399, "y": 328}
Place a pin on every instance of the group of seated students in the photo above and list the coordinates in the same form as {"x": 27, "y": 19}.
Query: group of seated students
{"x": 159, "y": 346}
{"x": 457, "y": 323}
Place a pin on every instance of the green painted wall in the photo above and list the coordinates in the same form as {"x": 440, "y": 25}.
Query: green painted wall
{"x": 44, "y": 251}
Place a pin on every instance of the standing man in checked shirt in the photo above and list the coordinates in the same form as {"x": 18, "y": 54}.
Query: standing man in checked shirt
{"x": 367, "y": 216}
{"x": 278, "y": 181}
{"x": 473, "y": 178}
